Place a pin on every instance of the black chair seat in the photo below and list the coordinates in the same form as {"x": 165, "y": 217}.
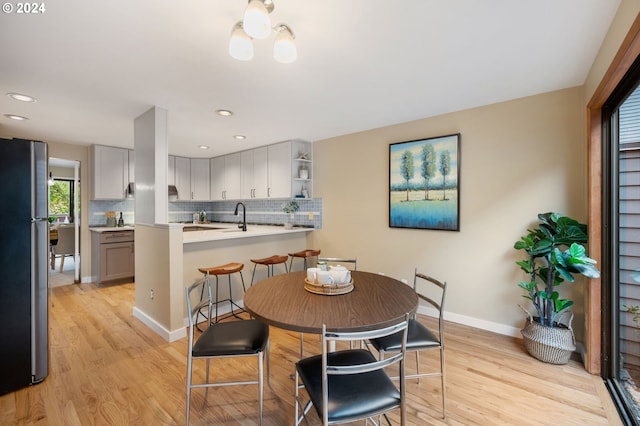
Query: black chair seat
{"x": 232, "y": 338}
{"x": 352, "y": 396}
{"x": 418, "y": 337}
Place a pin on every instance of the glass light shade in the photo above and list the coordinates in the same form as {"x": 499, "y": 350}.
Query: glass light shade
{"x": 284, "y": 48}
{"x": 240, "y": 45}
{"x": 256, "y": 20}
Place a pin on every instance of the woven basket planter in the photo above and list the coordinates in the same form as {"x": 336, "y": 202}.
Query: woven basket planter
{"x": 553, "y": 345}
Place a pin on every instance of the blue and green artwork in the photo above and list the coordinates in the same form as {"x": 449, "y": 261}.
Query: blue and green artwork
{"x": 424, "y": 183}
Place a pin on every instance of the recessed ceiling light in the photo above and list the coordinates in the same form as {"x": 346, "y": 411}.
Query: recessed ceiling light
{"x": 224, "y": 112}
{"x": 20, "y": 97}
{"x": 16, "y": 117}
{"x": 203, "y": 147}
{"x": 239, "y": 137}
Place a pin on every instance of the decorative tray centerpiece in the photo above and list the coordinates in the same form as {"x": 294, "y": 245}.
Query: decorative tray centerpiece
{"x": 328, "y": 289}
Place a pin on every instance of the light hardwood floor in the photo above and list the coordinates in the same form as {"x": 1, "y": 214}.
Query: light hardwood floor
{"x": 107, "y": 368}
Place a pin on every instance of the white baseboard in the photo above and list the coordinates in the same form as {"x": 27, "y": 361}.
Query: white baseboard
{"x": 473, "y": 322}
{"x": 169, "y": 336}
{"x": 488, "y": 326}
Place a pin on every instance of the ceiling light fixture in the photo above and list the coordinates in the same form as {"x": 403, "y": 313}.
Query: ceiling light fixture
{"x": 224, "y": 112}
{"x": 20, "y": 97}
{"x": 240, "y": 46}
{"x": 284, "y": 48}
{"x": 239, "y": 137}
{"x": 203, "y": 146}
{"x": 256, "y": 21}
{"x": 16, "y": 117}
{"x": 257, "y": 25}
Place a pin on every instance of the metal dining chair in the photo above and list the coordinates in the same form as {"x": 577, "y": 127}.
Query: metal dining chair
{"x": 340, "y": 261}
{"x": 351, "y": 384}
{"x": 223, "y": 339}
{"x": 419, "y": 337}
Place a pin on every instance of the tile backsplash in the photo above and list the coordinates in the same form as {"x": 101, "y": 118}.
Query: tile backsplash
{"x": 268, "y": 212}
{"x": 99, "y": 207}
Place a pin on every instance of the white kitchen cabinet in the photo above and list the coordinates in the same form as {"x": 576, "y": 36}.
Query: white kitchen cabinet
{"x": 225, "y": 177}
{"x": 217, "y": 186}
{"x": 109, "y": 172}
{"x": 183, "y": 178}
{"x": 190, "y": 176}
{"x": 255, "y": 173}
{"x": 200, "y": 180}
{"x": 279, "y": 168}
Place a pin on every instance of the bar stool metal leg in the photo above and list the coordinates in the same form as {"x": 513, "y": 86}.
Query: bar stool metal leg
{"x": 228, "y": 269}
{"x": 232, "y": 304}
{"x": 269, "y": 262}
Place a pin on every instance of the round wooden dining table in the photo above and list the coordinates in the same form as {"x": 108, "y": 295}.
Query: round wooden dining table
{"x": 376, "y": 301}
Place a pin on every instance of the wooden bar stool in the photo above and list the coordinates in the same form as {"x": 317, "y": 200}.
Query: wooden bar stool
{"x": 269, "y": 262}
{"x": 227, "y": 269}
{"x": 304, "y": 255}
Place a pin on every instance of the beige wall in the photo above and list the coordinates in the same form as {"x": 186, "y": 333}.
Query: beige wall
{"x": 158, "y": 262}
{"x": 518, "y": 158}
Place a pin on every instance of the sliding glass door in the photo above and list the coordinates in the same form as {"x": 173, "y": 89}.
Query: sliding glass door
{"x": 621, "y": 247}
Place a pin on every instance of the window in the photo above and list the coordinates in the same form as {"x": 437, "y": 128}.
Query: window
{"x": 61, "y": 196}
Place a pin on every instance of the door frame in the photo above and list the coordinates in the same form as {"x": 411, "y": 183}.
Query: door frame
{"x": 627, "y": 53}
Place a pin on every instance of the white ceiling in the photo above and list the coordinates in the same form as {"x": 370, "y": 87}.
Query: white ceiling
{"x": 95, "y": 66}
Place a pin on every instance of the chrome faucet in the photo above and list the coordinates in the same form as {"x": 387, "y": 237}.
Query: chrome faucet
{"x": 242, "y": 225}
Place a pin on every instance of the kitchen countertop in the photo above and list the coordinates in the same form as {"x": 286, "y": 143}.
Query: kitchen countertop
{"x": 218, "y": 231}
{"x": 101, "y": 229}
{"x": 228, "y": 231}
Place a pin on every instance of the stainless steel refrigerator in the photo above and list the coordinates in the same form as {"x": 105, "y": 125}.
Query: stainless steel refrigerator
{"x": 24, "y": 250}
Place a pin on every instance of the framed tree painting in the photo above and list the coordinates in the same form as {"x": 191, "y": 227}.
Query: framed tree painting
{"x": 424, "y": 183}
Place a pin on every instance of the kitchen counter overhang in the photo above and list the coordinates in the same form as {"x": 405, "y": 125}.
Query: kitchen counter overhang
{"x": 101, "y": 229}
{"x": 225, "y": 231}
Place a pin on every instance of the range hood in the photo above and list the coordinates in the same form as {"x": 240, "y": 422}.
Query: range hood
{"x": 131, "y": 189}
{"x": 173, "y": 193}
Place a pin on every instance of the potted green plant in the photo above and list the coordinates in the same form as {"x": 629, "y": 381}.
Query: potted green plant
{"x": 555, "y": 252}
{"x": 290, "y": 208}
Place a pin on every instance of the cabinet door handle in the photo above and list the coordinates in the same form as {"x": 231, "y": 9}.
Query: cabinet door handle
{"x": 269, "y": 192}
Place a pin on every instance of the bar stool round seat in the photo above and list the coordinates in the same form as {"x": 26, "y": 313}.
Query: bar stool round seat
{"x": 269, "y": 262}
{"x": 304, "y": 255}
{"x": 226, "y": 269}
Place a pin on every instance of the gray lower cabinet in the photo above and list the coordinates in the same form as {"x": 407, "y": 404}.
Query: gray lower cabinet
{"x": 113, "y": 255}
